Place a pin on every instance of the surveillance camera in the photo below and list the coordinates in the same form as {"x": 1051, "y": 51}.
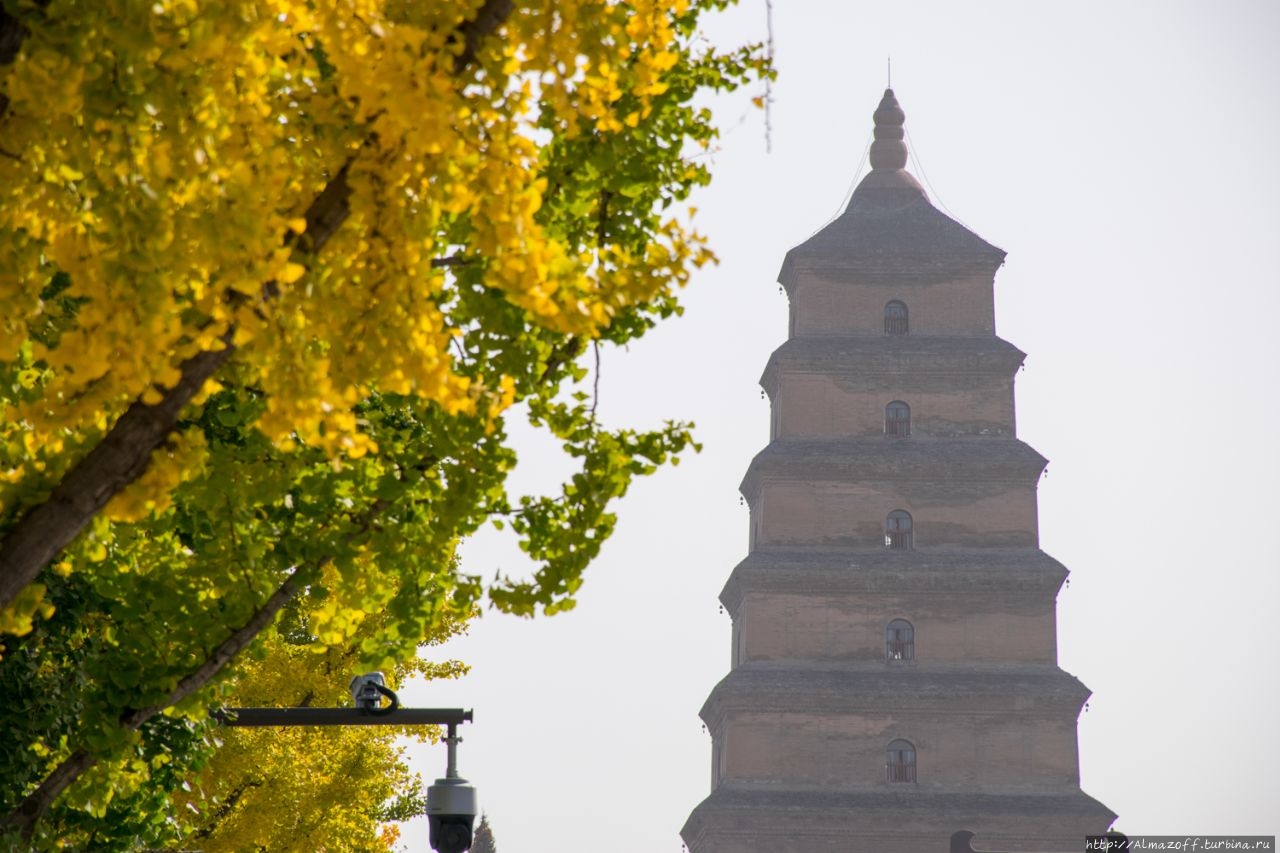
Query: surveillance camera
{"x": 367, "y": 691}
{"x": 451, "y": 815}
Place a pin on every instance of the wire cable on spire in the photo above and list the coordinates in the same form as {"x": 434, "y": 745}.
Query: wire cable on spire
{"x": 915, "y": 160}
{"x": 853, "y": 185}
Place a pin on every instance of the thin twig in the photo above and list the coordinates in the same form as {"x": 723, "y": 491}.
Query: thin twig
{"x": 451, "y": 261}
{"x": 768, "y": 83}
{"x": 595, "y": 384}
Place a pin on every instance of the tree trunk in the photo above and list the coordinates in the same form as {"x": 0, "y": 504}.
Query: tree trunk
{"x": 124, "y": 454}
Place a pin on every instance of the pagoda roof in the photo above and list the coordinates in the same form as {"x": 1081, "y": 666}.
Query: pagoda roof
{"x": 749, "y": 797}
{"x": 974, "y": 459}
{"x": 747, "y": 809}
{"x": 789, "y": 687}
{"x": 866, "y": 354}
{"x": 889, "y": 225}
{"x": 819, "y": 570}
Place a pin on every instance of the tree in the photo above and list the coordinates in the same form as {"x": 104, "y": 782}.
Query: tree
{"x": 302, "y": 788}
{"x": 273, "y": 275}
{"x": 483, "y": 840}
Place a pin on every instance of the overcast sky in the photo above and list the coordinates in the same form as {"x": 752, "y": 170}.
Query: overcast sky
{"x": 1125, "y": 155}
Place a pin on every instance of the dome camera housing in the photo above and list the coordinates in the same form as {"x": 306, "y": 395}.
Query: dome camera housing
{"x": 451, "y": 815}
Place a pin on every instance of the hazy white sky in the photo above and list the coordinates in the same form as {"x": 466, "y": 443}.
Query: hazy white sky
{"x": 1125, "y": 155}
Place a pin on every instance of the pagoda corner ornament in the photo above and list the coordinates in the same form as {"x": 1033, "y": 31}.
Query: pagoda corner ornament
{"x": 894, "y": 683}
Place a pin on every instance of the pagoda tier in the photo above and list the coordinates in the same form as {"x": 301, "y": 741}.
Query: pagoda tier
{"x": 836, "y": 386}
{"x": 894, "y": 674}
{"x": 748, "y": 818}
{"x": 960, "y": 492}
{"x": 968, "y": 607}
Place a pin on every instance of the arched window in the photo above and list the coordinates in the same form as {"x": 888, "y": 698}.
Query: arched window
{"x": 900, "y": 762}
{"x": 897, "y": 530}
{"x": 899, "y": 641}
{"x": 897, "y": 419}
{"x": 895, "y": 318}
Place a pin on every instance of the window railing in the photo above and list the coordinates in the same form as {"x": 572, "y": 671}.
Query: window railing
{"x": 897, "y": 540}
{"x": 896, "y": 771}
{"x": 895, "y": 325}
{"x": 897, "y": 427}
{"x": 900, "y": 649}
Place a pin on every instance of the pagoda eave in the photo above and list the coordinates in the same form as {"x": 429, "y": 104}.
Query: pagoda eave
{"x": 930, "y": 572}
{"x": 805, "y": 690}
{"x": 989, "y": 460}
{"x": 771, "y": 818}
{"x": 940, "y": 357}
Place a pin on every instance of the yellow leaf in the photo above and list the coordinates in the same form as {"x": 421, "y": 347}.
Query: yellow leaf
{"x": 291, "y": 273}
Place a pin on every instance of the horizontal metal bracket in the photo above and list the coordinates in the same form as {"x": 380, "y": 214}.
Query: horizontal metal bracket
{"x": 270, "y": 717}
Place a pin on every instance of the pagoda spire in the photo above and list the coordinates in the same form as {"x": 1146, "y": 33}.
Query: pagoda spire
{"x": 888, "y": 184}
{"x": 889, "y": 151}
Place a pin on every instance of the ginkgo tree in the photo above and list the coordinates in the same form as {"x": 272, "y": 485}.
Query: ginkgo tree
{"x": 273, "y": 274}
{"x": 298, "y": 788}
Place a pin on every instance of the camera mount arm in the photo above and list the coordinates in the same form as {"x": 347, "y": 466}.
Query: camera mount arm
{"x": 269, "y": 717}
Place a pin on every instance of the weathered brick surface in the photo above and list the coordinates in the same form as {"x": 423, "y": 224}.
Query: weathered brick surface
{"x": 979, "y": 753}
{"x": 962, "y": 514}
{"x": 801, "y": 724}
{"x": 826, "y": 305}
{"x": 809, "y": 406}
{"x": 950, "y": 629}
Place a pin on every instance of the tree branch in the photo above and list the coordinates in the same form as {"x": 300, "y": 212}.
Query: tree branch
{"x": 29, "y": 812}
{"x": 491, "y": 16}
{"x": 12, "y": 33}
{"x": 448, "y": 261}
{"x": 225, "y": 809}
{"x": 124, "y": 453}
{"x": 331, "y": 207}
{"x": 561, "y": 354}
{"x": 26, "y": 815}
{"x": 329, "y": 210}
{"x": 116, "y": 461}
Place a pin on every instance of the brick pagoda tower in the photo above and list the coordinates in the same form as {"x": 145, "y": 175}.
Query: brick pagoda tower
{"x": 894, "y": 673}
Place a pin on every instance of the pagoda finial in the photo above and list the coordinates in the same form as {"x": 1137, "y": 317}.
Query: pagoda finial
{"x": 888, "y": 151}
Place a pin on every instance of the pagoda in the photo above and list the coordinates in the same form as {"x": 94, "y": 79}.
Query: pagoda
{"x": 894, "y": 685}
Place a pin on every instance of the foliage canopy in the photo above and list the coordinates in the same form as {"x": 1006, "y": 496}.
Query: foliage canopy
{"x": 272, "y": 276}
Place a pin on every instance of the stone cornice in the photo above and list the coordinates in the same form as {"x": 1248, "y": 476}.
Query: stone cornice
{"x": 987, "y": 459}
{"x": 907, "y": 356}
{"x": 774, "y": 811}
{"x": 810, "y": 690}
{"x": 897, "y": 270}
{"x": 855, "y": 571}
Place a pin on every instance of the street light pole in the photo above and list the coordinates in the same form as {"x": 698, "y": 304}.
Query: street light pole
{"x": 451, "y": 762}
{"x": 451, "y": 801}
